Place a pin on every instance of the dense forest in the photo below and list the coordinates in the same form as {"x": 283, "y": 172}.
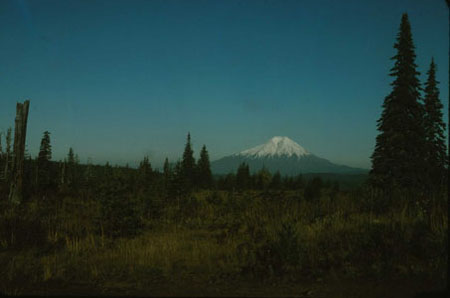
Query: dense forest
{"x": 72, "y": 227}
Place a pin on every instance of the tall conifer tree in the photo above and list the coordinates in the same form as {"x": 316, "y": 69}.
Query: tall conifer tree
{"x": 204, "y": 174}
{"x": 188, "y": 165}
{"x": 71, "y": 157}
{"x": 43, "y": 162}
{"x": 145, "y": 174}
{"x": 177, "y": 183}
{"x": 398, "y": 159}
{"x": 166, "y": 173}
{"x": 434, "y": 130}
{"x": 70, "y": 171}
{"x": 45, "y": 151}
{"x": 243, "y": 176}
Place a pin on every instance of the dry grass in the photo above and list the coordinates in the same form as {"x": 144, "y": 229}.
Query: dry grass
{"x": 245, "y": 236}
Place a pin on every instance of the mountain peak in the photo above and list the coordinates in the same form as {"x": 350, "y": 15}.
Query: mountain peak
{"x": 276, "y": 146}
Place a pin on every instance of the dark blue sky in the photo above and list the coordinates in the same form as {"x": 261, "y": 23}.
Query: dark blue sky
{"x": 117, "y": 80}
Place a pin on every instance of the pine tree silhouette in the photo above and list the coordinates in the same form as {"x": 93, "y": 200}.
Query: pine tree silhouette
{"x": 204, "y": 175}
{"x": 43, "y": 162}
{"x": 188, "y": 166}
{"x": 243, "y": 176}
{"x": 145, "y": 174}
{"x": 167, "y": 173}
{"x": 434, "y": 130}
{"x": 398, "y": 159}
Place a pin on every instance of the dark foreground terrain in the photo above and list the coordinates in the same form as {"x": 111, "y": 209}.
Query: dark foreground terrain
{"x": 224, "y": 243}
{"x": 332, "y": 287}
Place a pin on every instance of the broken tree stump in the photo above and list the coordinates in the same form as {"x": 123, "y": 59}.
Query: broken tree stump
{"x": 6, "y": 157}
{"x": 20, "y": 131}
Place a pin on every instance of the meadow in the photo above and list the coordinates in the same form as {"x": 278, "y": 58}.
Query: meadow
{"x": 218, "y": 242}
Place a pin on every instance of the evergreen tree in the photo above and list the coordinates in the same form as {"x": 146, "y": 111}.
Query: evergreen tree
{"x": 166, "y": 173}
{"x": 298, "y": 182}
{"x": 89, "y": 173}
{"x": 204, "y": 175}
{"x": 145, "y": 174}
{"x": 288, "y": 182}
{"x": 145, "y": 167}
{"x": 229, "y": 182}
{"x": 188, "y": 166}
{"x": 43, "y": 162}
{"x": 71, "y": 157}
{"x": 71, "y": 170}
{"x": 434, "y": 130}
{"x": 243, "y": 176}
{"x": 45, "y": 151}
{"x": 276, "y": 181}
{"x": 107, "y": 171}
{"x": 177, "y": 183}
{"x": 120, "y": 215}
{"x": 263, "y": 179}
{"x": 398, "y": 158}
{"x": 313, "y": 189}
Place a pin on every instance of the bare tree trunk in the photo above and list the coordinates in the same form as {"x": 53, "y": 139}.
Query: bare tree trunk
{"x": 20, "y": 131}
{"x": 7, "y": 156}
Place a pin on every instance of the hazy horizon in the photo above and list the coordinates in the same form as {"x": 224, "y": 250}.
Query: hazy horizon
{"x": 118, "y": 80}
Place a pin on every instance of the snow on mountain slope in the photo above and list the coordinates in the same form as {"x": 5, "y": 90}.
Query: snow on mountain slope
{"x": 276, "y": 146}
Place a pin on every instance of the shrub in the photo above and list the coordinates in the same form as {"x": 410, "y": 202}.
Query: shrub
{"x": 22, "y": 227}
{"x": 120, "y": 213}
{"x": 313, "y": 189}
{"x": 268, "y": 255}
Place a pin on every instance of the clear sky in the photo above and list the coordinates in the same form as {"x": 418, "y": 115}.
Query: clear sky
{"x": 117, "y": 80}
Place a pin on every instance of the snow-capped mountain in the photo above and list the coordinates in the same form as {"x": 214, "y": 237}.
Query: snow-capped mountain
{"x": 280, "y": 154}
{"x": 276, "y": 146}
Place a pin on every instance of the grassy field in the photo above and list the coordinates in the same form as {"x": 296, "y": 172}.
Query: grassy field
{"x": 217, "y": 243}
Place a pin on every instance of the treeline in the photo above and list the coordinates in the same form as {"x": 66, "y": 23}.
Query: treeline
{"x": 126, "y": 198}
{"x": 44, "y": 177}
